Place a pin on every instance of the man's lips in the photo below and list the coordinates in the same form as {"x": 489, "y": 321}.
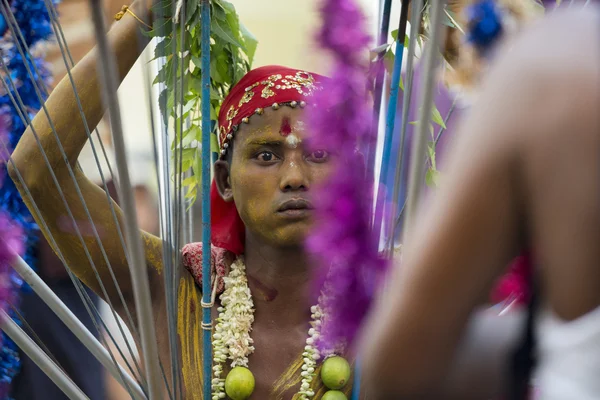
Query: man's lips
{"x": 295, "y": 208}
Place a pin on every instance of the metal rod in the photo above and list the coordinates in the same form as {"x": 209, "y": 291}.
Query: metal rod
{"x": 415, "y": 23}
{"x": 23, "y": 49}
{"x": 138, "y": 267}
{"x": 395, "y": 86}
{"x": 87, "y": 302}
{"x": 417, "y": 162}
{"x": 41, "y": 359}
{"x": 391, "y": 113}
{"x": 379, "y": 79}
{"x": 355, "y": 395}
{"x": 75, "y": 325}
{"x": 206, "y": 161}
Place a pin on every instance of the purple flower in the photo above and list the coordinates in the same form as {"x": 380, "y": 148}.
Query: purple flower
{"x": 342, "y": 244}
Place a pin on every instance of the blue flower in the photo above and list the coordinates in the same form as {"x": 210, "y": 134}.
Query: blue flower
{"x": 485, "y": 25}
{"x": 34, "y": 25}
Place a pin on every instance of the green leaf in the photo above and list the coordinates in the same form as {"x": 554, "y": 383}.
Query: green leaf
{"x": 192, "y": 8}
{"x": 227, "y": 6}
{"x": 162, "y": 103}
{"x": 432, "y": 177}
{"x": 218, "y": 11}
{"x": 431, "y": 154}
{"x": 388, "y": 61}
{"x": 160, "y": 28}
{"x": 224, "y": 33}
{"x": 162, "y": 47}
{"x": 214, "y": 143}
{"x": 163, "y": 74}
{"x": 185, "y": 165}
{"x": 197, "y": 165}
{"x": 250, "y": 43}
{"x": 395, "y": 37}
{"x": 191, "y": 194}
{"x": 190, "y": 181}
{"x": 401, "y": 83}
{"x": 437, "y": 117}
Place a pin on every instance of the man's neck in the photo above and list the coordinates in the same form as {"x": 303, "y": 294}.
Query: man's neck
{"x": 279, "y": 280}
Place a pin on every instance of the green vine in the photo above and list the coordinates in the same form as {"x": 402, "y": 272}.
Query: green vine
{"x": 232, "y": 49}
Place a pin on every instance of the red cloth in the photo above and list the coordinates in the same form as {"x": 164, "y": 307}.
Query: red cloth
{"x": 258, "y": 89}
{"x": 192, "y": 260}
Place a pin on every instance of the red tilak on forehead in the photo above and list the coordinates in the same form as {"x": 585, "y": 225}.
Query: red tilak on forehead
{"x": 286, "y": 126}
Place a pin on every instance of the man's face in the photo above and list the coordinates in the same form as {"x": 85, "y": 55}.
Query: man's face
{"x": 274, "y": 169}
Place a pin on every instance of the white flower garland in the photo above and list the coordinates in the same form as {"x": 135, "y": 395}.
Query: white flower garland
{"x": 232, "y": 333}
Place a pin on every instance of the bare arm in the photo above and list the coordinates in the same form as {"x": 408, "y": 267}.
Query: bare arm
{"x": 64, "y": 114}
{"x": 482, "y": 215}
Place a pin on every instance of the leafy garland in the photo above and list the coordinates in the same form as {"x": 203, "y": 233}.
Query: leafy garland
{"x": 34, "y": 23}
{"x": 232, "y": 52}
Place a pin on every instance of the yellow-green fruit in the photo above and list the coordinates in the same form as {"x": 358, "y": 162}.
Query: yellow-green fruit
{"x": 239, "y": 383}
{"x": 334, "y": 395}
{"x": 335, "y": 372}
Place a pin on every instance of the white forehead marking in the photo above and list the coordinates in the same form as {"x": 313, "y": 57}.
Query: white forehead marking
{"x": 292, "y": 141}
{"x": 299, "y": 126}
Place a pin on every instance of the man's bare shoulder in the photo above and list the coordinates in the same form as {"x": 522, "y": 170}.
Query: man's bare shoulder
{"x": 547, "y": 74}
{"x": 561, "y": 38}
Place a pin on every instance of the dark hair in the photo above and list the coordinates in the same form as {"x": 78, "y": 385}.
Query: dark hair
{"x": 229, "y": 153}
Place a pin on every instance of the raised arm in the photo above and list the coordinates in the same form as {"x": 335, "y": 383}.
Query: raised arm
{"x": 29, "y": 161}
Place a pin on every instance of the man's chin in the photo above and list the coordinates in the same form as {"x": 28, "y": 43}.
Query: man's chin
{"x": 292, "y": 236}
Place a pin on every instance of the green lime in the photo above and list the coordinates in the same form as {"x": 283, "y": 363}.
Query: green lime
{"x": 335, "y": 372}
{"x": 334, "y": 395}
{"x": 239, "y": 383}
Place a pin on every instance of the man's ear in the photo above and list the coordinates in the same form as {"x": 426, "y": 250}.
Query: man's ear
{"x": 222, "y": 180}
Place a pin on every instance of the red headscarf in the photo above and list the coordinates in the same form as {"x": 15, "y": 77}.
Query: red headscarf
{"x": 271, "y": 86}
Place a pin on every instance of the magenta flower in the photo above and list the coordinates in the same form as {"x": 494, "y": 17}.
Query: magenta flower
{"x": 344, "y": 249}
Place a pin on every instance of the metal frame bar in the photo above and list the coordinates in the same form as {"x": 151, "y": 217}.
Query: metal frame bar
{"x": 206, "y": 231}
{"x": 75, "y": 325}
{"x": 417, "y": 162}
{"x": 138, "y": 267}
{"x": 415, "y": 22}
{"x": 41, "y": 359}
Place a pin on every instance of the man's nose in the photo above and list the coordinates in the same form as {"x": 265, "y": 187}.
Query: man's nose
{"x": 294, "y": 175}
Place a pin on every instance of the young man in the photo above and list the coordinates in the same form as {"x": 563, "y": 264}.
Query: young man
{"x": 263, "y": 210}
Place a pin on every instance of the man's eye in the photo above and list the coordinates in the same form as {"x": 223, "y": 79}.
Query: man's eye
{"x": 319, "y": 156}
{"x": 266, "y": 156}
